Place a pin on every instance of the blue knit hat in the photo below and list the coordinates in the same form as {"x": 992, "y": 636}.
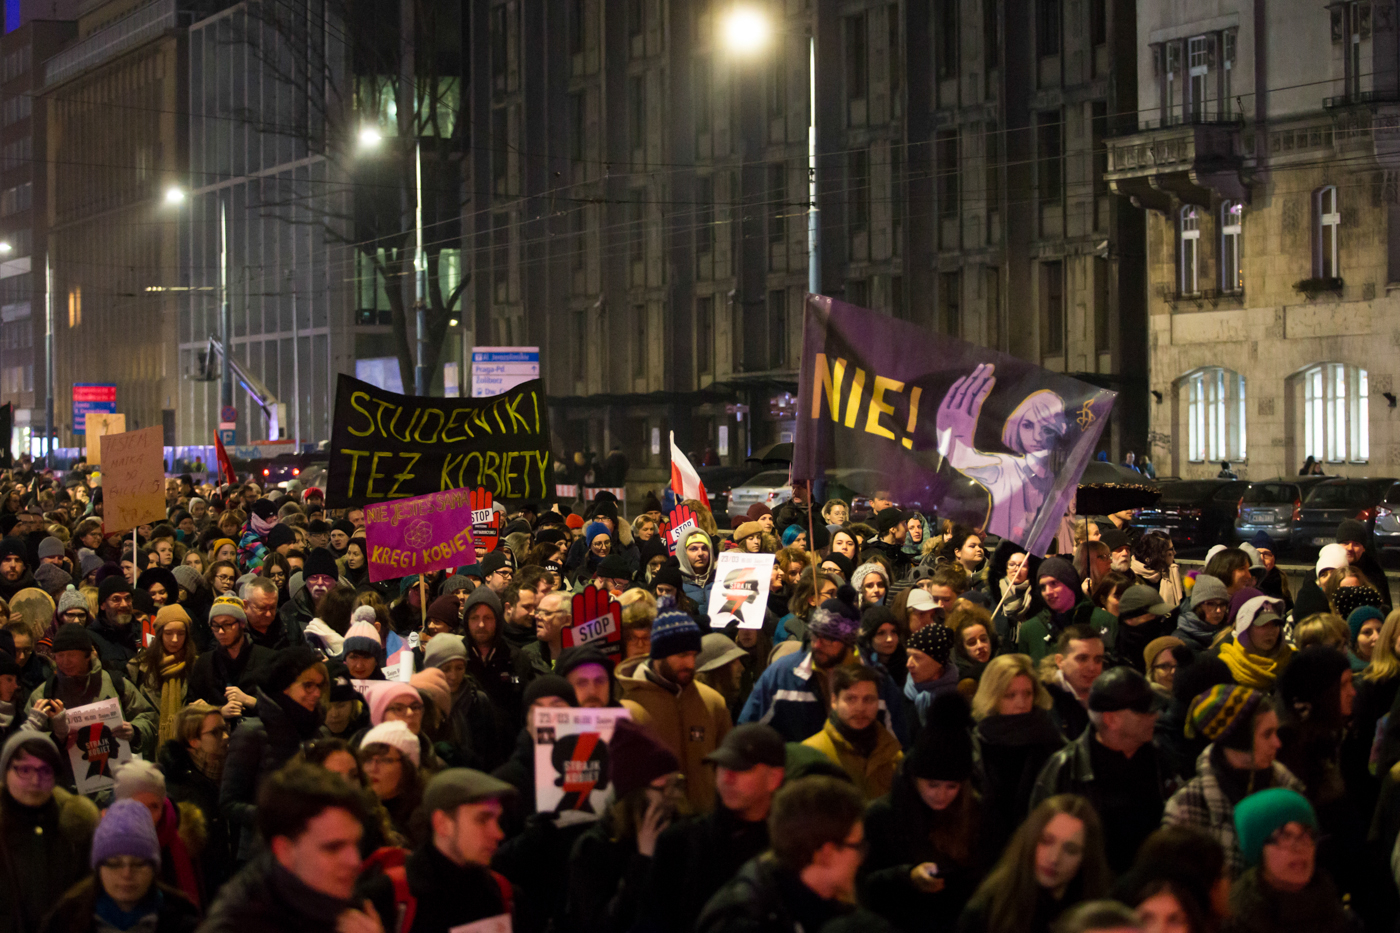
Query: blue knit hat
{"x": 1259, "y": 816}
{"x": 836, "y": 618}
{"x": 126, "y": 829}
{"x": 1359, "y": 617}
{"x": 672, "y": 633}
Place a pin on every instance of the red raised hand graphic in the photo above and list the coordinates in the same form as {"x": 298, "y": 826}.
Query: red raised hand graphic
{"x": 486, "y": 521}
{"x": 597, "y": 621}
{"x": 682, "y": 521}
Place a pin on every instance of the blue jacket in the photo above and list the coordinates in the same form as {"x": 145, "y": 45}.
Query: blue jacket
{"x": 785, "y": 699}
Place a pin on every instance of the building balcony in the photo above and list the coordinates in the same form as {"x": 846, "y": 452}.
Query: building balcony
{"x": 1162, "y": 167}
{"x": 1361, "y": 99}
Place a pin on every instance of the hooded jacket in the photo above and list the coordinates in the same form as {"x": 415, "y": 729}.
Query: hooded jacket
{"x": 690, "y": 722}
{"x": 786, "y": 699}
{"x": 134, "y": 707}
{"x": 873, "y": 774}
{"x": 697, "y": 586}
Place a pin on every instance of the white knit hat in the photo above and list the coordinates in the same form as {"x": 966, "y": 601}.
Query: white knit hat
{"x": 395, "y": 735}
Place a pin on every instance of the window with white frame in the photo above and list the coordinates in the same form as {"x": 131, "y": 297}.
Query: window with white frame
{"x": 1336, "y": 413}
{"x": 1200, "y": 50}
{"x": 1190, "y": 223}
{"x": 1231, "y": 228}
{"x": 1215, "y": 415}
{"x": 1327, "y": 223}
{"x": 1227, "y": 67}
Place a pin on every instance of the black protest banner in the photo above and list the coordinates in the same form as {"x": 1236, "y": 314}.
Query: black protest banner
{"x": 390, "y": 446}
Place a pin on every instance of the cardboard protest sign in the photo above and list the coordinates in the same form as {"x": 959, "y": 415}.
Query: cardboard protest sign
{"x": 419, "y": 535}
{"x": 572, "y": 772}
{"x": 92, "y": 748}
{"x": 943, "y": 426}
{"x": 133, "y": 479}
{"x": 597, "y": 621}
{"x": 682, "y": 523}
{"x": 98, "y": 424}
{"x": 389, "y": 446}
{"x": 741, "y": 589}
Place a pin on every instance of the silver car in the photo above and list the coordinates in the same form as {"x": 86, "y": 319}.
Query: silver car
{"x": 770, "y": 488}
{"x": 1388, "y": 519}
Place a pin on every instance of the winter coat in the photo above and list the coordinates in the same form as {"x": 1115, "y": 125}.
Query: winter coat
{"x": 74, "y": 913}
{"x": 536, "y": 862}
{"x": 898, "y": 828}
{"x": 1193, "y": 631}
{"x": 872, "y": 775}
{"x": 691, "y": 724}
{"x": 764, "y": 897}
{"x": 266, "y": 898}
{"x": 214, "y": 672}
{"x": 281, "y": 633}
{"x": 1038, "y": 633}
{"x": 1009, "y": 753}
{"x": 43, "y": 851}
{"x": 134, "y": 707}
{"x": 190, "y": 787}
{"x": 607, "y": 878}
{"x": 1256, "y": 907}
{"x": 1203, "y": 804}
{"x": 259, "y": 747}
{"x": 1069, "y": 714}
{"x": 296, "y": 613}
{"x": 473, "y": 730}
{"x": 706, "y": 851}
{"x": 448, "y": 896}
{"x": 502, "y": 676}
{"x": 115, "y": 645}
{"x": 785, "y": 698}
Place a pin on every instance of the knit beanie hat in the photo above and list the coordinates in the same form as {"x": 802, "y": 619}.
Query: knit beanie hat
{"x": 379, "y": 694}
{"x": 72, "y": 636}
{"x": 836, "y": 618}
{"x": 228, "y": 605}
{"x": 444, "y": 609}
{"x": 1223, "y": 714}
{"x": 365, "y": 614}
{"x": 454, "y": 583}
{"x": 573, "y": 521}
{"x": 860, "y": 573}
{"x": 50, "y": 547}
{"x": 48, "y": 751}
{"x": 52, "y": 578}
{"x": 943, "y": 751}
{"x": 1061, "y": 570}
{"x": 320, "y": 562}
{"x": 1156, "y": 646}
{"x": 1360, "y": 617}
{"x": 1351, "y": 531}
{"x": 935, "y": 640}
{"x": 637, "y": 757}
{"x": 433, "y": 682}
{"x": 90, "y": 564}
{"x": 71, "y": 599}
{"x": 220, "y": 542}
{"x": 280, "y": 535}
{"x": 443, "y": 648}
{"x": 188, "y": 578}
{"x": 287, "y": 667}
{"x": 498, "y": 559}
{"x": 364, "y": 638}
{"x": 137, "y": 776}
{"x": 547, "y": 685}
{"x": 112, "y": 585}
{"x": 650, "y": 503}
{"x": 126, "y": 828}
{"x": 1348, "y": 599}
{"x": 672, "y": 633}
{"x": 668, "y": 575}
{"x": 395, "y": 735}
{"x": 11, "y": 546}
{"x": 172, "y": 613}
{"x": 1207, "y": 587}
{"x": 757, "y": 511}
{"x": 264, "y": 509}
{"x": 1259, "y": 816}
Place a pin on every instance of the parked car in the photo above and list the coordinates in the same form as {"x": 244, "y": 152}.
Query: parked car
{"x": 1333, "y": 501}
{"x": 769, "y": 488}
{"x": 720, "y": 482}
{"x": 1195, "y": 513}
{"x": 1388, "y": 519}
{"x": 1272, "y": 506}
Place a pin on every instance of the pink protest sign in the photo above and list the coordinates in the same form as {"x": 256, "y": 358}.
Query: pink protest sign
{"x": 419, "y": 535}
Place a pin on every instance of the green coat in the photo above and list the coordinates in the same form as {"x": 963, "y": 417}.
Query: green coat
{"x": 1037, "y": 636}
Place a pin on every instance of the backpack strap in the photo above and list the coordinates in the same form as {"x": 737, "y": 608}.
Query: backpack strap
{"x": 507, "y": 893}
{"x": 408, "y": 904}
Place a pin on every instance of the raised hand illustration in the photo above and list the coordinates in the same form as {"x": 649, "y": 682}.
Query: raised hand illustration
{"x": 960, "y": 409}
{"x": 597, "y": 620}
{"x": 682, "y": 520}
{"x": 486, "y": 521}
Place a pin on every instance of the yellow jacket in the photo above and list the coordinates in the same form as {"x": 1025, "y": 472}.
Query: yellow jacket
{"x": 872, "y": 776}
{"x": 691, "y": 725}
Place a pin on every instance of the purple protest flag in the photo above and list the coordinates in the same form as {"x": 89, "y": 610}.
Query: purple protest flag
{"x": 419, "y": 535}
{"x": 945, "y": 427}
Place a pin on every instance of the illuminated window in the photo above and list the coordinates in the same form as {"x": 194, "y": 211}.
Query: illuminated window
{"x": 1215, "y": 415}
{"x": 1336, "y": 413}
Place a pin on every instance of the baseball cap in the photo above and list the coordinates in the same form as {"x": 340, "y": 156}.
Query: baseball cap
{"x": 1115, "y": 538}
{"x": 886, "y": 519}
{"x": 748, "y": 745}
{"x": 1139, "y": 599}
{"x": 1121, "y": 688}
{"x": 919, "y": 600}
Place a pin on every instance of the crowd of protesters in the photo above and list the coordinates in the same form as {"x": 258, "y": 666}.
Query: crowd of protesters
{"x": 932, "y": 730}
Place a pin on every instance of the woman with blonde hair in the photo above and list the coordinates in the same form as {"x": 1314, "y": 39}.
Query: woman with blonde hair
{"x": 1015, "y": 736}
{"x": 161, "y": 670}
{"x": 1377, "y": 686}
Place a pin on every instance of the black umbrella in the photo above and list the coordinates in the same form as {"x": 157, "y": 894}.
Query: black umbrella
{"x": 1105, "y": 488}
{"x": 773, "y": 453}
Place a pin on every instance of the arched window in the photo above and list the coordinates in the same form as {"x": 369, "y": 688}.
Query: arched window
{"x": 1215, "y": 415}
{"x": 1231, "y": 233}
{"x": 1327, "y": 226}
{"x": 1190, "y": 223}
{"x": 1336, "y": 413}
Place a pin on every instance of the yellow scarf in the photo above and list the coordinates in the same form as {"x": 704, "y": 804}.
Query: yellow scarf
{"x": 1249, "y": 670}
{"x": 172, "y": 698}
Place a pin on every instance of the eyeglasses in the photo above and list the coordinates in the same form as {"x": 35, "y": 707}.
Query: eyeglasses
{"x": 33, "y": 772}
{"x": 219, "y": 731}
{"x": 401, "y": 710}
{"x": 377, "y": 760}
{"x": 223, "y": 626}
{"x": 224, "y": 577}
{"x": 1167, "y": 667}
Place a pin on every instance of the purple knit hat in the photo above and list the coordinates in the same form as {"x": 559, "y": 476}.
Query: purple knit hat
{"x": 126, "y": 829}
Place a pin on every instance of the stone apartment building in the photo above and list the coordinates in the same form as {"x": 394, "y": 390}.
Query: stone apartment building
{"x": 1265, "y": 164}
{"x": 638, "y": 199}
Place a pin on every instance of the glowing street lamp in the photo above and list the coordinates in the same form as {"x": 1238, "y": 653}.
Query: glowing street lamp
{"x": 745, "y": 30}
{"x": 174, "y": 195}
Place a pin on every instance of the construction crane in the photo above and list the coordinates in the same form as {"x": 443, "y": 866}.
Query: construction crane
{"x": 274, "y": 411}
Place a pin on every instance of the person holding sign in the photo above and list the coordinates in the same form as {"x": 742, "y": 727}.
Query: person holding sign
{"x": 661, "y": 692}
{"x": 80, "y": 681}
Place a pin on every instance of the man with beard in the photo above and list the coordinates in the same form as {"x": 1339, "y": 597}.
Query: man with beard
{"x": 113, "y": 632}
{"x": 193, "y": 763}
{"x": 794, "y": 693}
{"x": 662, "y": 694}
{"x": 1315, "y": 595}
{"x": 228, "y": 676}
{"x": 14, "y": 567}
{"x": 696, "y": 557}
{"x": 590, "y": 673}
{"x": 320, "y": 576}
{"x": 1120, "y": 550}
{"x": 79, "y": 681}
{"x": 491, "y": 661}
